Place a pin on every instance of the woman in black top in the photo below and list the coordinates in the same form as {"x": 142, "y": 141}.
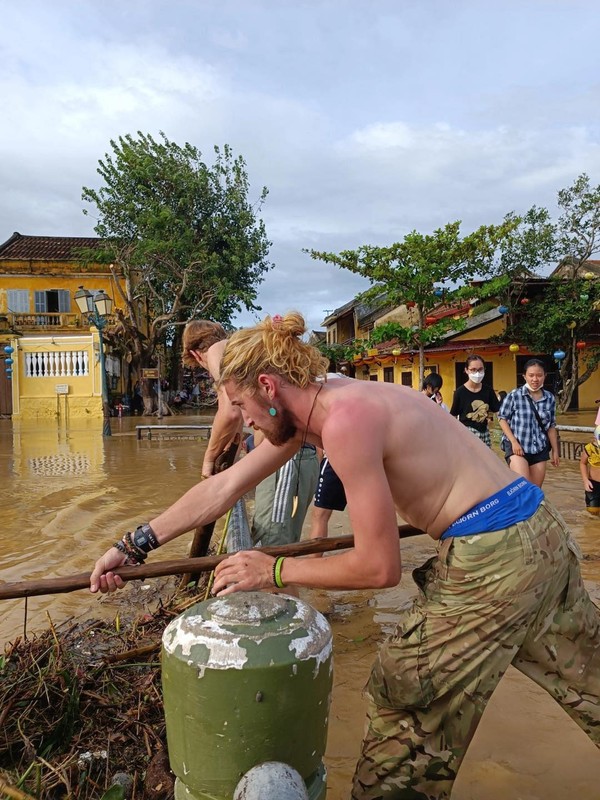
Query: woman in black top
{"x": 475, "y": 400}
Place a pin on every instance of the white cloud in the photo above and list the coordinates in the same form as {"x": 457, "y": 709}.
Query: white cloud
{"x": 363, "y": 125}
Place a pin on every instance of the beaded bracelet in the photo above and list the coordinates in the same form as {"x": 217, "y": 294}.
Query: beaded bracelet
{"x": 132, "y": 558}
{"x": 277, "y": 566}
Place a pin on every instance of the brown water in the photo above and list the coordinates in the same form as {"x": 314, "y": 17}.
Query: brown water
{"x": 70, "y": 494}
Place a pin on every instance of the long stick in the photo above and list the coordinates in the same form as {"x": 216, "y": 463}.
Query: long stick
{"x": 10, "y": 591}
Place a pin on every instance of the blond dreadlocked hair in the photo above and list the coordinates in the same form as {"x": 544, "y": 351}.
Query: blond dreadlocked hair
{"x": 273, "y": 346}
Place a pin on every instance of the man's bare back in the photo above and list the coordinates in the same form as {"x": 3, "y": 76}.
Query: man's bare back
{"x": 432, "y": 486}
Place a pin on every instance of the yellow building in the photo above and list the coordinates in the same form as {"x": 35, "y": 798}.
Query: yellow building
{"x": 388, "y": 362}
{"x": 56, "y": 352}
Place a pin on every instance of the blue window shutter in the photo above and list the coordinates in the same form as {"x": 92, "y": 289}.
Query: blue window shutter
{"x": 40, "y": 302}
{"x": 64, "y": 301}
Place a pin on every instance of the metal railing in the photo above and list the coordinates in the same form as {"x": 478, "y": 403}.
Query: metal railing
{"x": 571, "y": 450}
{"x": 161, "y": 429}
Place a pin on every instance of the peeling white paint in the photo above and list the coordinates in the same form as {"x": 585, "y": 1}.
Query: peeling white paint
{"x": 251, "y": 617}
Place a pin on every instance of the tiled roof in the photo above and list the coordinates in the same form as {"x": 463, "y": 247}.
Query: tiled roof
{"x": 46, "y": 248}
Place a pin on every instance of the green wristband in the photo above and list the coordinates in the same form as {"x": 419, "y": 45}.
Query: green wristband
{"x": 277, "y": 573}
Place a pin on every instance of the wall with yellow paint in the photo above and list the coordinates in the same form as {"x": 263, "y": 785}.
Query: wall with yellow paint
{"x": 37, "y": 396}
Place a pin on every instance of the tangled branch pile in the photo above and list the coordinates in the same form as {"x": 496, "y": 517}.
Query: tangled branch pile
{"x": 81, "y": 711}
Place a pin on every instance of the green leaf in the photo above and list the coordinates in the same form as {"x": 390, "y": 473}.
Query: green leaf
{"x": 115, "y": 792}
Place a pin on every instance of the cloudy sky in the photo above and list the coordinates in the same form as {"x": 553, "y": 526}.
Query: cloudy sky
{"x": 365, "y": 119}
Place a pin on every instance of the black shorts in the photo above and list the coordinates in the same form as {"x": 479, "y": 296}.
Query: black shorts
{"x": 592, "y": 499}
{"x": 530, "y": 458}
{"x": 330, "y": 490}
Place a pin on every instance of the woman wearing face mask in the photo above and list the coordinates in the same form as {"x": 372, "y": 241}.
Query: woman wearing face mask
{"x": 528, "y": 421}
{"x": 474, "y": 400}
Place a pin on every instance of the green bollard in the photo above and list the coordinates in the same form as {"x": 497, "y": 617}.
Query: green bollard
{"x": 246, "y": 679}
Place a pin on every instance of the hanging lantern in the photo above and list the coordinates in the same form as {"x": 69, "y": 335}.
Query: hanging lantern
{"x": 514, "y": 348}
{"x": 580, "y": 345}
{"x": 558, "y": 355}
{"x": 589, "y": 276}
{"x": 525, "y": 301}
{"x": 438, "y": 292}
{"x": 396, "y": 352}
{"x": 503, "y": 309}
{"x": 8, "y": 361}
{"x": 8, "y": 349}
{"x": 430, "y": 320}
{"x": 410, "y": 304}
{"x": 572, "y": 325}
{"x": 584, "y": 296}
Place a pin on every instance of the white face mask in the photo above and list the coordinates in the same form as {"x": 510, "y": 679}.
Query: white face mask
{"x": 476, "y": 377}
{"x": 534, "y": 389}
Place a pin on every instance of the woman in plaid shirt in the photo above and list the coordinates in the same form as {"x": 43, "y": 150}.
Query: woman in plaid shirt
{"x": 529, "y": 437}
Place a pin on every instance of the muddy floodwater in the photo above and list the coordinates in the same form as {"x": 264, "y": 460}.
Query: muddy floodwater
{"x": 67, "y": 495}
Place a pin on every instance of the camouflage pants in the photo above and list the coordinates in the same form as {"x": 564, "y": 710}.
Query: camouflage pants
{"x": 486, "y": 601}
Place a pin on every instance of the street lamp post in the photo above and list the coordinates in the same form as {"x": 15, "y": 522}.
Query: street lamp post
{"x": 98, "y": 307}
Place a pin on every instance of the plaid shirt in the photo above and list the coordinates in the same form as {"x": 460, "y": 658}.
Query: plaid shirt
{"x": 517, "y": 411}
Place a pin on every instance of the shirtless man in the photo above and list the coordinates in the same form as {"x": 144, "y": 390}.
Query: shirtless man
{"x": 203, "y": 346}
{"x": 504, "y": 587}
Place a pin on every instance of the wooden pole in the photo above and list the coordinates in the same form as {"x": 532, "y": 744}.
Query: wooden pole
{"x": 203, "y": 535}
{"x": 10, "y": 591}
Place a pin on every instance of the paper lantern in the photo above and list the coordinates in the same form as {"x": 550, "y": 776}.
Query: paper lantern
{"x": 524, "y": 301}
{"x": 503, "y": 309}
{"x": 589, "y": 276}
{"x": 514, "y": 348}
{"x": 580, "y": 345}
{"x": 8, "y": 349}
{"x": 396, "y": 352}
{"x": 430, "y": 320}
{"x": 410, "y": 304}
{"x": 438, "y": 292}
{"x": 584, "y": 296}
{"x": 572, "y": 325}
{"x": 558, "y": 355}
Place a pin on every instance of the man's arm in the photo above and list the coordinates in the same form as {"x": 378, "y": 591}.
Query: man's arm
{"x": 203, "y": 503}
{"x": 228, "y": 421}
{"x": 355, "y": 445}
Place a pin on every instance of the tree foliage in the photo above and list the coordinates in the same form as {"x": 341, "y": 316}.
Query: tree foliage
{"x": 566, "y": 311}
{"x": 411, "y": 271}
{"x": 184, "y": 235}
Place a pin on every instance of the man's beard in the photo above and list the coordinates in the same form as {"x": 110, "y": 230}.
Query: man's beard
{"x": 284, "y": 429}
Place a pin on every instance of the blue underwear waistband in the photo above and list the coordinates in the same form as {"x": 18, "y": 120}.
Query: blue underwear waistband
{"x": 516, "y": 502}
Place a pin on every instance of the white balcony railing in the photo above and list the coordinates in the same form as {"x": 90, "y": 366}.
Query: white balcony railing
{"x": 62, "y": 364}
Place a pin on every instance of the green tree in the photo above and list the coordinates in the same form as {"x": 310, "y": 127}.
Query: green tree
{"x": 423, "y": 269}
{"x": 529, "y": 244}
{"x": 184, "y": 235}
{"x": 567, "y": 312}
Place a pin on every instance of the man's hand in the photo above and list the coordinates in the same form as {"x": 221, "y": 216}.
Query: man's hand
{"x": 207, "y": 468}
{"x": 102, "y": 578}
{"x": 243, "y": 572}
